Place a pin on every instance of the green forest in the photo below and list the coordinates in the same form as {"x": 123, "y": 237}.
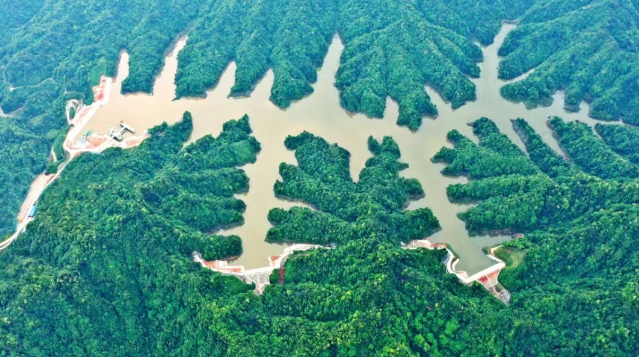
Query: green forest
{"x": 107, "y": 269}
{"x": 56, "y": 50}
{"x": 574, "y": 275}
{"x": 53, "y": 51}
{"x": 587, "y": 48}
{"x": 344, "y": 210}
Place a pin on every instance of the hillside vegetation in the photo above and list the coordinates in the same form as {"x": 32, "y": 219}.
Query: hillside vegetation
{"x": 106, "y": 268}
{"x": 52, "y": 51}
{"x": 577, "y": 281}
{"x": 589, "y": 48}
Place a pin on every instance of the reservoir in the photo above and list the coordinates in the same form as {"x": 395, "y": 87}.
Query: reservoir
{"x": 321, "y": 114}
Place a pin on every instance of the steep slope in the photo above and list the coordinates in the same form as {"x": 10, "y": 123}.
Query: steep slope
{"x": 56, "y": 50}
{"x": 587, "y": 48}
{"x": 106, "y": 268}
{"x": 574, "y": 275}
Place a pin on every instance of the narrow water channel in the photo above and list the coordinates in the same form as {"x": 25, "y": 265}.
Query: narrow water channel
{"x": 322, "y": 115}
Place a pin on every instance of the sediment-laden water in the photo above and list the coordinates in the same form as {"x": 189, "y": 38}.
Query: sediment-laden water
{"x": 322, "y": 115}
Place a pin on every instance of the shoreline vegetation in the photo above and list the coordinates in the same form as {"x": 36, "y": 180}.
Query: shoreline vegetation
{"x": 107, "y": 267}
{"x": 71, "y": 69}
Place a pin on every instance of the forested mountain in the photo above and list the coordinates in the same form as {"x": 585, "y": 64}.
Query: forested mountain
{"x": 346, "y": 210}
{"x": 57, "y": 50}
{"x": 393, "y": 48}
{"x": 106, "y": 268}
{"x": 574, "y": 275}
{"x": 589, "y": 48}
{"x": 51, "y": 51}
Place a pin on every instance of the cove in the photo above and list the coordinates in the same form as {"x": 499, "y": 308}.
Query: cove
{"x": 322, "y": 115}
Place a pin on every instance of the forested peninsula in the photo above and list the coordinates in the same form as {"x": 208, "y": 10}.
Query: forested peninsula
{"x": 107, "y": 266}
{"x": 52, "y": 51}
{"x": 575, "y": 272}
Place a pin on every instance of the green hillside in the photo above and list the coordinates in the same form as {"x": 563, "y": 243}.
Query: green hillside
{"x": 587, "y": 48}
{"x": 106, "y": 268}
{"x": 55, "y": 50}
{"x": 574, "y": 275}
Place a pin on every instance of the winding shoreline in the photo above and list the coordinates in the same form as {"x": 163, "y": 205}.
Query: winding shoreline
{"x": 487, "y": 277}
{"x": 83, "y": 115}
{"x": 98, "y": 143}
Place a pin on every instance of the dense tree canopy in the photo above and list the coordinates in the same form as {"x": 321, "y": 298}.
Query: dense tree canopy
{"x": 51, "y": 51}
{"x": 574, "y": 275}
{"x": 106, "y": 269}
{"x": 345, "y": 210}
{"x": 392, "y": 49}
{"x": 587, "y": 48}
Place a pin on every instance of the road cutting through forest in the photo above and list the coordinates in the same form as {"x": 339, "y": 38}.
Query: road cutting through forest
{"x": 90, "y": 144}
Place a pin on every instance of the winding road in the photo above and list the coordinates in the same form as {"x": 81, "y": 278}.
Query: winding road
{"x": 82, "y": 116}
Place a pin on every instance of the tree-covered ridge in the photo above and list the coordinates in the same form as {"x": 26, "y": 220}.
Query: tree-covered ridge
{"x": 14, "y": 13}
{"x": 497, "y": 154}
{"x": 392, "y": 49}
{"x": 74, "y": 42}
{"x": 586, "y": 47}
{"x": 367, "y": 296}
{"x": 622, "y": 139}
{"x": 541, "y": 190}
{"x": 344, "y": 210}
{"x": 478, "y": 20}
{"x": 590, "y": 153}
{"x": 53, "y": 51}
{"x": 364, "y": 298}
{"x": 574, "y": 275}
{"x": 291, "y": 37}
{"x": 106, "y": 269}
{"x": 397, "y": 55}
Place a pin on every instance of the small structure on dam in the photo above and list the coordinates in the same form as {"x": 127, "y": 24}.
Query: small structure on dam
{"x": 117, "y": 133}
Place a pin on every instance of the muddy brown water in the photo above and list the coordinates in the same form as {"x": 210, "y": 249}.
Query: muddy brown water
{"x": 321, "y": 114}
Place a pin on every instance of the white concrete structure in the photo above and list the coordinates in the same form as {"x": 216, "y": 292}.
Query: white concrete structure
{"x": 487, "y": 277}
{"x": 82, "y": 116}
{"x": 259, "y": 276}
